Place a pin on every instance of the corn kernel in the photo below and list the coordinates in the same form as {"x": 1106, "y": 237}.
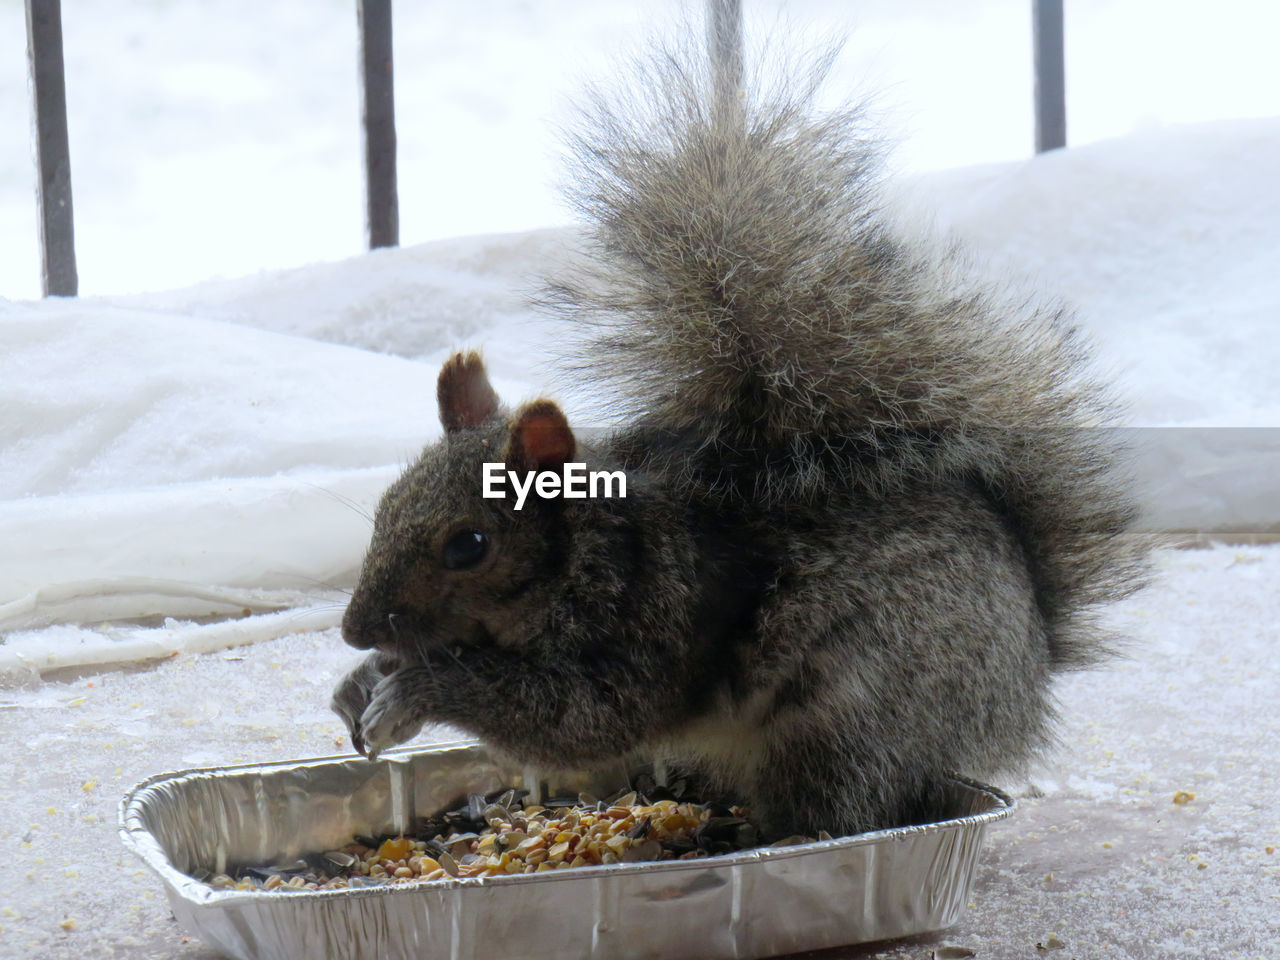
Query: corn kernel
{"x": 394, "y": 849}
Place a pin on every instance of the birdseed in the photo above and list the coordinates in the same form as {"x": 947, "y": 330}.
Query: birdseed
{"x": 505, "y": 834}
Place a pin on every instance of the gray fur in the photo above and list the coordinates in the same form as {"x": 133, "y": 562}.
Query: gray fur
{"x": 869, "y": 512}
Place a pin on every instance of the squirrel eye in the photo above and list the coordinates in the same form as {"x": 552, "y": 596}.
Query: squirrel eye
{"x": 465, "y": 549}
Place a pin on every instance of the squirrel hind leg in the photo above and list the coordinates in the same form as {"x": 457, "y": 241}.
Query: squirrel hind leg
{"x": 810, "y": 784}
{"x": 919, "y": 654}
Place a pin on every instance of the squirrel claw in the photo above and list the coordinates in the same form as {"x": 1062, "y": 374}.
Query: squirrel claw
{"x": 388, "y": 719}
{"x": 352, "y": 695}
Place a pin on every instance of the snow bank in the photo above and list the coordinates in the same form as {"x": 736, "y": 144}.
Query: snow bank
{"x": 161, "y": 464}
{"x": 415, "y": 302}
{"x": 218, "y": 449}
{"x": 1165, "y": 244}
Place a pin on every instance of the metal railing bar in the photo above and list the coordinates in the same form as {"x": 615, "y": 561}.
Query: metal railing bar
{"x": 58, "y": 276}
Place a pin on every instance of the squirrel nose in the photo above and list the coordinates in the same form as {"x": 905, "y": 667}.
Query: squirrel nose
{"x": 357, "y": 629}
{"x": 366, "y": 629}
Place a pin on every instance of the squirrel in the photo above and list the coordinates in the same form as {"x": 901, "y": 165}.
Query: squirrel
{"x": 871, "y": 508}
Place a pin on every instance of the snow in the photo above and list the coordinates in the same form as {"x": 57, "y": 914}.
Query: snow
{"x": 220, "y": 447}
{"x": 1163, "y": 241}
{"x": 192, "y": 450}
{"x": 1097, "y": 852}
{"x": 215, "y": 466}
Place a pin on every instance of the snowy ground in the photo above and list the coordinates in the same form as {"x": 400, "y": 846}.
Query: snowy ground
{"x": 180, "y": 451}
{"x": 1097, "y": 855}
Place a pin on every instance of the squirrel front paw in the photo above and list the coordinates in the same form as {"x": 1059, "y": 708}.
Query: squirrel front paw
{"x": 393, "y": 714}
{"x": 353, "y": 693}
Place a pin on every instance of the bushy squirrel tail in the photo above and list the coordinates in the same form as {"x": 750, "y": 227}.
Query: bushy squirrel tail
{"x": 757, "y": 312}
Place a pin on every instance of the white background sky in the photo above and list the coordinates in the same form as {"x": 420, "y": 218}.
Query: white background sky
{"x": 221, "y": 138}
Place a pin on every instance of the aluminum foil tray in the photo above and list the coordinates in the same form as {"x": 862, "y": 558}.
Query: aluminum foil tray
{"x": 757, "y": 903}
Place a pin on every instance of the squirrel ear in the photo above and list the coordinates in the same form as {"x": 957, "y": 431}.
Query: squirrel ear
{"x": 463, "y": 392}
{"x": 540, "y": 437}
